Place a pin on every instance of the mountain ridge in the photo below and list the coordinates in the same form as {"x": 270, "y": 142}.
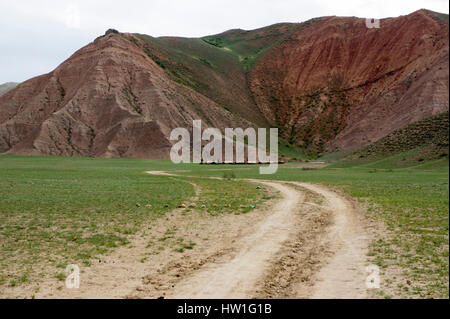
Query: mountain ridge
{"x": 328, "y": 83}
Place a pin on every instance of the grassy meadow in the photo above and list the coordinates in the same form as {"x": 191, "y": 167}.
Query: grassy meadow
{"x": 55, "y": 211}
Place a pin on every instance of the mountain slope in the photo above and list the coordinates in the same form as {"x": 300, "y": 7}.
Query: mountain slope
{"x": 338, "y": 85}
{"x": 329, "y": 84}
{"x": 214, "y": 73}
{"x": 109, "y": 99}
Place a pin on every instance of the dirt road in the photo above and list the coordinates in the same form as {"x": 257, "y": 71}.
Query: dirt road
{"x": 237, "y": 277}
{"x": 340, "y": 272}
{"x": 344, "y": 276}
{"x": 310, "y": 242}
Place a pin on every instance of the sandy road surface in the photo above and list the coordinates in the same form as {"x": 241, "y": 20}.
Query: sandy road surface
{"x": 310, "y": 242}
{"x": 342, "y": 275}
{"x": 237, "y": 277}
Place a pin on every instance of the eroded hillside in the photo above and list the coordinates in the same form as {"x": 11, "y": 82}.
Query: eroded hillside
{"x": 329, "y": 84}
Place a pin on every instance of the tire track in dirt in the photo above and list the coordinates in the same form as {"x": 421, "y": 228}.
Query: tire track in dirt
{"x": 342, "y": 262}
{"x": 237, "y": 277}
{"x": 340, "y": 276}
{"x": 344, "y": 275}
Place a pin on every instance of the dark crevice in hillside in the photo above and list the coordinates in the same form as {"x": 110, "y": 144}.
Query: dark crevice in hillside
{"x": 133, "y": 100}
{"x": 61, "y": 89}
{"x": 375, "y": 80}
{"x": 92, "y": 136}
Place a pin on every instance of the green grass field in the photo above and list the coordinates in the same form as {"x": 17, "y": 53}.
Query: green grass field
{"x": 57, "y": 210}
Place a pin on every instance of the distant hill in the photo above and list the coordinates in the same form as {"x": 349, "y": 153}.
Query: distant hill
{"x": 8, "y": 86}
{"x": 329, "y": 84}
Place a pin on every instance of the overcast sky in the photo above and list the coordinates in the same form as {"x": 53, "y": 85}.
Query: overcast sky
{"x": 36, "y": 36}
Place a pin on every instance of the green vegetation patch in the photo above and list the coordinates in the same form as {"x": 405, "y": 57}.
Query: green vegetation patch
{"x": 56, "y": 211}
{"x": 69, "y": 210}
{"x": 249, "y": 46}
{"x": 229, "y": 196}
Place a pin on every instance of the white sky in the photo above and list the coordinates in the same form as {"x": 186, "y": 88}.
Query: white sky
{"x": 36, "y": 36}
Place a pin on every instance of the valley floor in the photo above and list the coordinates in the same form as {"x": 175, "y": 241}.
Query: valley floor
{"x": 309, "y": 242}
{"x": 200, "y": 235}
